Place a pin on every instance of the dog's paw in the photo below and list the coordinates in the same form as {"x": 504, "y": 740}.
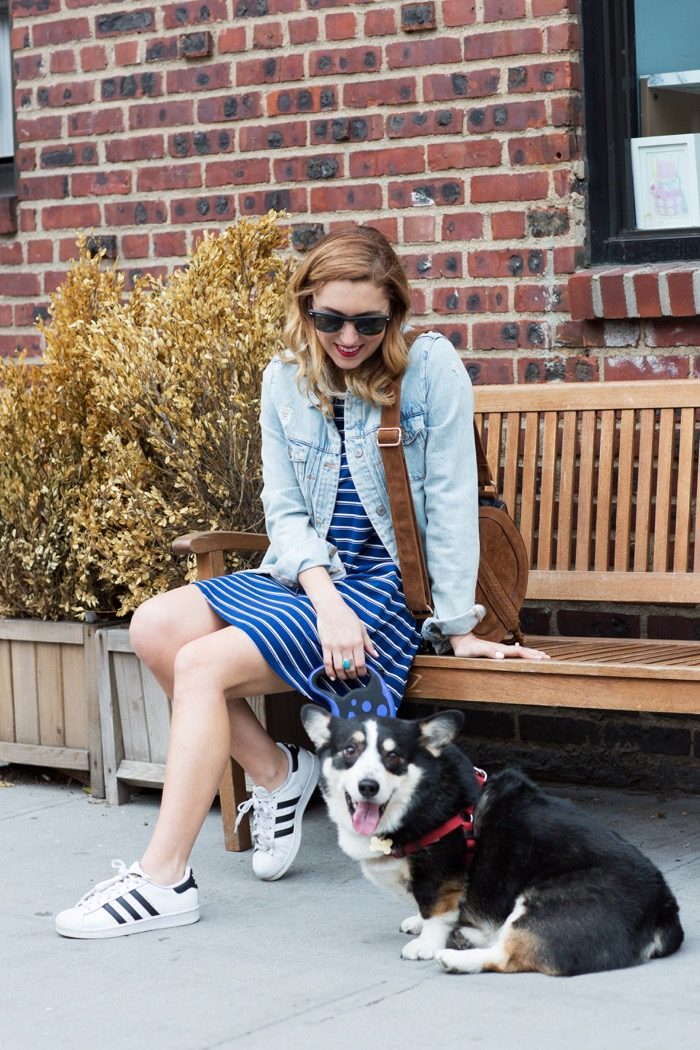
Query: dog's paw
{"x": 447, "y": 959}
{"x": 418, "y": 949}
{"x": 474, "y": 960}
{"x": 413, "y": 925}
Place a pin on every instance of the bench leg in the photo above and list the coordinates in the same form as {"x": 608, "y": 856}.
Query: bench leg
{"x": 232, "y": 791}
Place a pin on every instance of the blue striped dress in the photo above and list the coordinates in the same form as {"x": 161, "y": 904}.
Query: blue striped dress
{"x": 281, "y": 621}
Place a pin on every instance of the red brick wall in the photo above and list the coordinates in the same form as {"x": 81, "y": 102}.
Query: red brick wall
{"x": 453, "y": 125}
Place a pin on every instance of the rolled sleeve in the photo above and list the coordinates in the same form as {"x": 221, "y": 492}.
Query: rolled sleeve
{"x": 438, "y": 632}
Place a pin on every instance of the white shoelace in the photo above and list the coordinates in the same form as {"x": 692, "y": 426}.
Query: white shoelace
{"x": 263, "y": 818}
{"x": 103, "y": 892}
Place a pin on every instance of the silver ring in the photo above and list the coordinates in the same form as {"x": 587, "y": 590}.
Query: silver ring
{"x": 347, "y": 664}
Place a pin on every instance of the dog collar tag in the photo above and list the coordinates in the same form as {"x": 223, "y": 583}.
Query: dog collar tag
{"x": 380, "y": 845}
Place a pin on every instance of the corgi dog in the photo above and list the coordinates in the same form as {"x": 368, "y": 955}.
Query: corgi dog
{"x": 506, "y": 877}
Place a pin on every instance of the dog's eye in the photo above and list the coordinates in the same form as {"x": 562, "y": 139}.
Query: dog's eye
{"x": 392, "y": 761}
{"x": 350, "y": 751}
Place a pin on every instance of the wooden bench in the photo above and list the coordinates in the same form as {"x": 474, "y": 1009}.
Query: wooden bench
{"x": 602, "y": 480}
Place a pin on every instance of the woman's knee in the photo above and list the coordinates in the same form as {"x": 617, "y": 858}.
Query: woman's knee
{"x": 165, "y": 623}
{"x": 150, "y": 624}
{"x": 193, "y": 666}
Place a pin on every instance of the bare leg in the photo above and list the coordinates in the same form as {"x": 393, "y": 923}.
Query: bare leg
{"x": 207, "y": 667}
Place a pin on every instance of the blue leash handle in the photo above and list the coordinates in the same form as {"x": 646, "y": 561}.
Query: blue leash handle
{"x": 372, "y": 698}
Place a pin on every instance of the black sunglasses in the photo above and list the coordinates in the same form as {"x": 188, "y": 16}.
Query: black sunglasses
{"x": 366, "y": 324}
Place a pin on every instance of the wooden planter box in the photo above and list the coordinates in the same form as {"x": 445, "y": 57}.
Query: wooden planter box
{"x": 49, "y": 710}
{"x": 135, "y": 717}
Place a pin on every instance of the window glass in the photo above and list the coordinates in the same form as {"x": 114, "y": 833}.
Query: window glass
{"x": 629, "y": 48}
{"x": 667, "y": 36}
{"x": 7, "y": 139}
{"x": 666, "y": 153}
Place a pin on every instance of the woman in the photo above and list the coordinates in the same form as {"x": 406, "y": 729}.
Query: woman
{"x": 328, "y": 590}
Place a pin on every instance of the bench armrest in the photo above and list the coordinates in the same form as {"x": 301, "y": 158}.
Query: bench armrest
{"x": 208, "y": 542}
{"x": 209, "y": 548}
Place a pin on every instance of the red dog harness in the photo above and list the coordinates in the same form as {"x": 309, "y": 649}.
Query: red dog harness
{"x": 464, "y": 820}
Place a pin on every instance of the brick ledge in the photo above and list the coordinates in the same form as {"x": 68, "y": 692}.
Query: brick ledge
{"x": 609, "y": 292}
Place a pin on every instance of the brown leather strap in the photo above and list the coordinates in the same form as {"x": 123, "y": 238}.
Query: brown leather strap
{"x": 411, "y": 558}
{"x": 414, "y": 574}
{"x": 486, "y": 485}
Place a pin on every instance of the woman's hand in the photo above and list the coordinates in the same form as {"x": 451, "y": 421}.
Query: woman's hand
{"x": 344, "y": 639}
{"x": 470, "y": 645}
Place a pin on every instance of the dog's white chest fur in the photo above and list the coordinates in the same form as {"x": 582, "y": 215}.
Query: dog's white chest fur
{"x": 389, "y": 873}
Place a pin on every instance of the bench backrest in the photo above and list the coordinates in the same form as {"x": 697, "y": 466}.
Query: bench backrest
{"x": 602, "y": 480}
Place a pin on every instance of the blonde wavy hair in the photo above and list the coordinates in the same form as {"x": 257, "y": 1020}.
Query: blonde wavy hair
{"x": 358, "y": 254}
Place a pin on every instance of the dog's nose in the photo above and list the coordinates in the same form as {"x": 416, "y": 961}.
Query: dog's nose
{"x": 368, "y": 788}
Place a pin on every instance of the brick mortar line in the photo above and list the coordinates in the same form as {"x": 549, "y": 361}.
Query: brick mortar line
{"x": 236, "y": 157}
{"x": 376, "y": 144}
{"x": 233, "y": 20}
{"x": 696, "y": 288}
{"x": 664, "y": 294}
{"x": 306, "y": 83}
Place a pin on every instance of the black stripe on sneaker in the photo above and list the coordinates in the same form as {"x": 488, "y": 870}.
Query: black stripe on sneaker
{"x": 288, "y": 803}
{"x": 282, "y": 832}
{"x": 115, "y": 914}
{"x": 189, "y": 884}
{"x": 143, "y": 902}
{"x": 128, "y": 908}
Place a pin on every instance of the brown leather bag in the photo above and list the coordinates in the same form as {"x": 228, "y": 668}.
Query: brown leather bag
{"x": 503, "y": 560}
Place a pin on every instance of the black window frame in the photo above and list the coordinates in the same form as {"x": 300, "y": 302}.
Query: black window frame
{"x": 611, "y": 120}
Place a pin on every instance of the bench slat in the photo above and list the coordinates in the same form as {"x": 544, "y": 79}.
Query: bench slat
{"x": 547, "y": 496}
{"x": 510, "y": 474}
{"x": 606, "y": 459}
{"x": 566, "y": 491}
{"x": 560, "y": 685}
{"x": 664, "y": 479}
{"x": 645, "y": 466}
{"x": 493, "y": 447}
{"x": 664, "y": 587}
{"x": 548, "y": 397}
{"x": 694, "y": 525}
{"x": 623, "y": 517}
{"x": 628, "y": 656}
{"x": 684, "y": 490}
{"x": 585, "y": 492}
{"x": 529, "y": 479}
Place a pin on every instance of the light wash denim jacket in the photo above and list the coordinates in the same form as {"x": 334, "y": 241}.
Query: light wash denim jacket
{"x": 301, "y": 466}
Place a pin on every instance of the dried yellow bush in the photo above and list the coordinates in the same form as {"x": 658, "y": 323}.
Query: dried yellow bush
{"x": 163, "y": 433}
{"x": 43, "y": 415}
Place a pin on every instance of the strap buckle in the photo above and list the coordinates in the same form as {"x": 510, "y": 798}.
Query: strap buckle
{"x": 385, "y": 441}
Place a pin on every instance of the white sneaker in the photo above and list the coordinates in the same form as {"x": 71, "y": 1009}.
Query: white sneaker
{"x": 130, "y": 903}
{"x": 276, "y": 816}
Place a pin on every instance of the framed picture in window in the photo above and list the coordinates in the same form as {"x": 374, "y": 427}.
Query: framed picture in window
{"x": 666, "y": 176}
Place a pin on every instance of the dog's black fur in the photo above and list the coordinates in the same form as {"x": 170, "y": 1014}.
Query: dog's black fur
{"x": 548, "y": 888}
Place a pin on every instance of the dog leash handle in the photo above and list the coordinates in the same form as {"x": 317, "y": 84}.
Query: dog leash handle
{"x": 371, "y": 698}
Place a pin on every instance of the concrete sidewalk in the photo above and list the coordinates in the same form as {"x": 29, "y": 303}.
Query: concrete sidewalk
{"x": 311, "y": 961}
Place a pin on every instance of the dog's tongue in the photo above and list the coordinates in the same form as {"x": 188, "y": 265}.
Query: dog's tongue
{"x": 366, "y": 817}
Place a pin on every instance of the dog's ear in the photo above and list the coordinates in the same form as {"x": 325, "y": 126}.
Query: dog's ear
{"x": 440, "y": 730}
{"x": 317, "y": 723}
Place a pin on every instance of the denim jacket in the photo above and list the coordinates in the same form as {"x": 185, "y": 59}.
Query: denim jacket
{"x": 301, "y": 466}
